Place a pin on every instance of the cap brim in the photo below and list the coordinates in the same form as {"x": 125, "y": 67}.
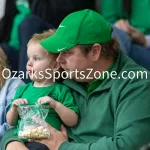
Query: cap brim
{"x": 56, "y": 44}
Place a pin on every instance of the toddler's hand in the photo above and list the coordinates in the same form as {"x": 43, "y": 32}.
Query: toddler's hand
{"x": 47, "y": 99}
{"x": 19, "y": 101}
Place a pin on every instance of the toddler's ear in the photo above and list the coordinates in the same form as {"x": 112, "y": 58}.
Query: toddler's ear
{"x": 56, "y": 66}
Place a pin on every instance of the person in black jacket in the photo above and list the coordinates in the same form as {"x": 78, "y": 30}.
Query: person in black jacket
{"x": 7, "y": 20}
{"x": 6, "y": 26}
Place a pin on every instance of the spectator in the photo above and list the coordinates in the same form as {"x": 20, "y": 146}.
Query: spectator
{"x": 131, "y": 17}
{"x": 7, "y": 91}
{"x": 114, "y": 110}
{"x": 16, "y": 11}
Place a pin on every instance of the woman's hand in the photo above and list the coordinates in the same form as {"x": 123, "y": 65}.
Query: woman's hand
{"x": 123, "y": 25}
{"x": 137, "y": 36}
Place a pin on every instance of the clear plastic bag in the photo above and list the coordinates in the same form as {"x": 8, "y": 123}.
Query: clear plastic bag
{"x": 29, "y": 129}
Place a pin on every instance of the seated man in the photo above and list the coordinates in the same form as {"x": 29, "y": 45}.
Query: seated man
{"x": 111, "y": 90}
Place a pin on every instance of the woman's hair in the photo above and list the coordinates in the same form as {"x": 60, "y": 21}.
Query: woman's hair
{"x": 3, "y": 65}
{"x": 108, "y": 49}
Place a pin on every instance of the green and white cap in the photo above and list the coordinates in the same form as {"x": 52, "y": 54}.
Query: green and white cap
{"x": 81, "y": 27}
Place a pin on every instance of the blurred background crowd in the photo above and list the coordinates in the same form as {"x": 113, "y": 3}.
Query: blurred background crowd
{"x": 20, "y": 19}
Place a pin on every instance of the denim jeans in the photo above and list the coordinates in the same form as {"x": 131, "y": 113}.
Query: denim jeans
{"x": 138, "y": 53}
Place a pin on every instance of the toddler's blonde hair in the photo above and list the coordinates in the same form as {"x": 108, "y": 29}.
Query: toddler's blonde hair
{"x": 36, "y": 38}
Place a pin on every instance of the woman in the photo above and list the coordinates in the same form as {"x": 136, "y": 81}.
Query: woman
{"x": 7, "y": 91}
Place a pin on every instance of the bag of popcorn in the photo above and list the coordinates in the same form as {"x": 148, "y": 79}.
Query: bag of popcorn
{"x": 29, "y": 129}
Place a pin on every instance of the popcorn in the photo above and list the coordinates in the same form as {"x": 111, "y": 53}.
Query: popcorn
{"x": 28, "y": 127}
{"x": 34, "y": 133}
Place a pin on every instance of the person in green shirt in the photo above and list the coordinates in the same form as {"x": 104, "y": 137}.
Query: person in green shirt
{"x": 135, "y": 14}
{"x": 114, "y": 109}
{"x": 131, "y": 17}
{"x": 43, "y": 89}
{"x": 10, "y": 41}
{"x": 23, "y": 11}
